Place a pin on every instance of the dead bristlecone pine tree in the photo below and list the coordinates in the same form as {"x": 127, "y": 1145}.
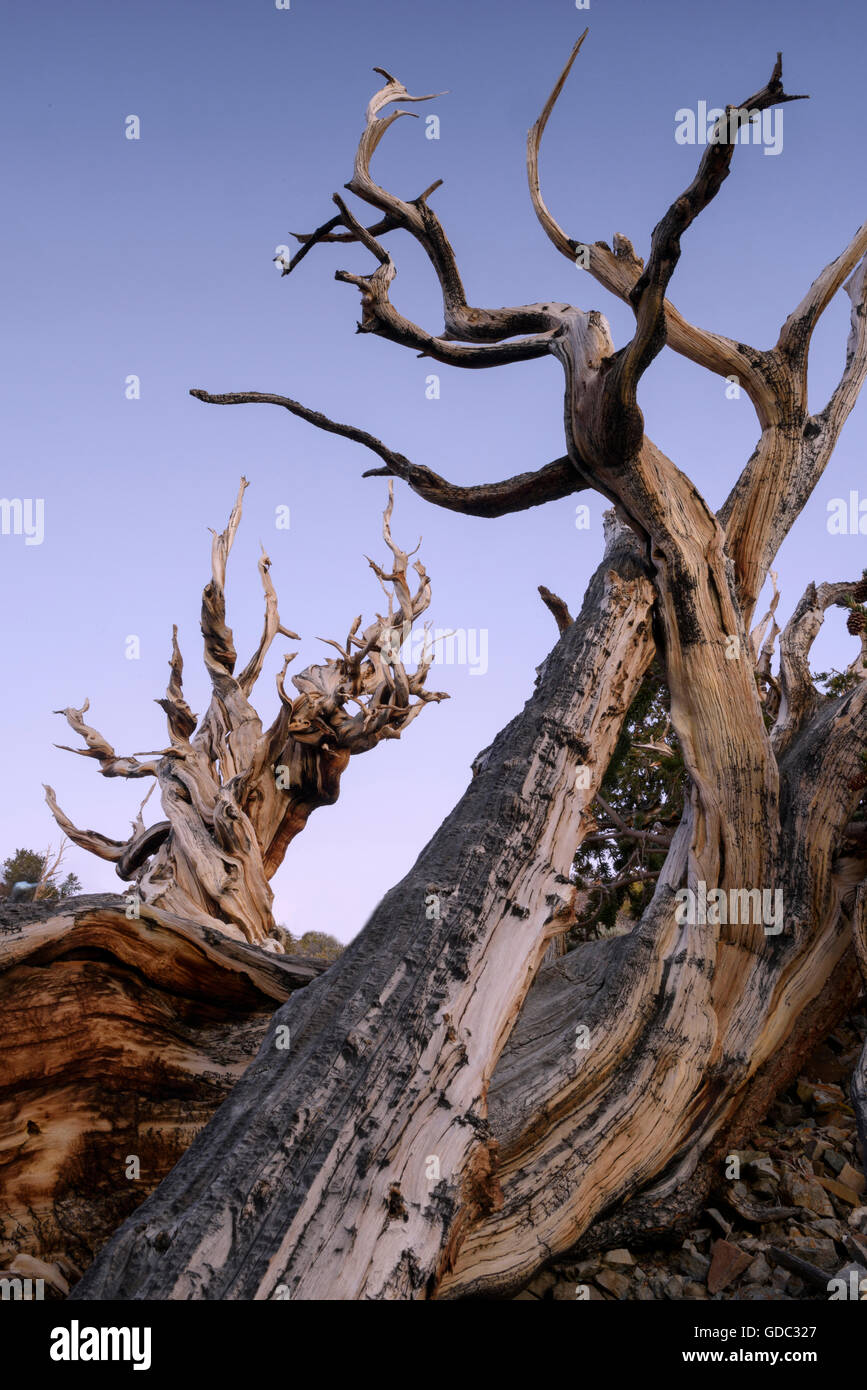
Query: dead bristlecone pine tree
{"x": 235, "y": 794}
{"x": 462, "y": 1101}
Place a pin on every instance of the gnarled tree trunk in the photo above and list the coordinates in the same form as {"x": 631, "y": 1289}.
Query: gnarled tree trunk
{"x": 122, "y": 1034}
{"x": 434, "y": 1131}
{"x": 235, "y": 796}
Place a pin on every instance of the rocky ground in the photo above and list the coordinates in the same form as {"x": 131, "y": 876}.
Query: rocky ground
{"x": 788, "y": 1215}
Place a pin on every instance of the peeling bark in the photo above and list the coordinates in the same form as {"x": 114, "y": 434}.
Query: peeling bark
{"x": 122, "y": 1035}
{"x": 413, "y": 1017}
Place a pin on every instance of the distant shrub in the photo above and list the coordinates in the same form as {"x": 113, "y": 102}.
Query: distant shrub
{"x": 317, "y": 944}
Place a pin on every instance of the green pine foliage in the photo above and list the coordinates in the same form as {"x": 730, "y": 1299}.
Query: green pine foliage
{"x": 27, "y": 865}
{"x": 645, "y": 790}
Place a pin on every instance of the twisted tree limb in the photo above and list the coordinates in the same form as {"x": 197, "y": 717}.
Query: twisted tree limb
{"x": 235, "y": 794}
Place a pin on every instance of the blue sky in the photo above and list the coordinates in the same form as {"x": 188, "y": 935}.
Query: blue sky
{"x": 154, "y": 257}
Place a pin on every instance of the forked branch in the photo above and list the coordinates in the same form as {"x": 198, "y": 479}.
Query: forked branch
{"x": 648, "y": 294}
{"x": 461, "y": 321}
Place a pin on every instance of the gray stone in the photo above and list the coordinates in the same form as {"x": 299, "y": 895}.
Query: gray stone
{"x": 618, "y": 1257}
{"x": 849, "y": 1269}
{"x": 775, "y": 1231}
{"x": 832, "y": 1229}
{"x": 817, "y": 1249}
{"x": 614, "y": 1282}
{"x": 693, "y": 1265}
{"x": 858, "y": 1219}
{"x": 759, "y": 1271}
{"x": 765, "y": 1189}
{"x": 806, "y": 1192}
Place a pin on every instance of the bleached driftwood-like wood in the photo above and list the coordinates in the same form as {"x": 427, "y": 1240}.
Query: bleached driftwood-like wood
{"x": 570, "y": 1130}
{"x": 236, "y": 794}
{"x": 417, "y": 1015}
{"x": 435, "y": 1133}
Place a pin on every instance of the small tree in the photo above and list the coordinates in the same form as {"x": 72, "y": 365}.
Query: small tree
{"x": 318, "y": 944}
{"x": 235, "y": 794}
{"x": 40, "y": 870}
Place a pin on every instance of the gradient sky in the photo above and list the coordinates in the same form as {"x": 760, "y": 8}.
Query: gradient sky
{"x": 154, "y": 257}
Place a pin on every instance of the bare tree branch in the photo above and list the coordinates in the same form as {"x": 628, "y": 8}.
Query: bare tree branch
{"x": 462, "y": 322}
{"x": 110, "y": 765}
{"x": 796, "y": 332}
{"x": 548, "y": 484}
{"x": 788, "y": 463}
{"x": 550, "y": 226}
{"x": 380, "y": 317}
{"x": 91, "y": 840}
{"x": 767, "y": 627}
{"x": 253, "y": 669}
{"x": 557, "y": 607}
{"x": 327, "y": 232}
{"x": 181, "y": 720}
{"x": 832, "y": 418}
{"x": 799, "y": 698}
{"x": 620, "y": 271}
{"x": 648, "y": 294}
